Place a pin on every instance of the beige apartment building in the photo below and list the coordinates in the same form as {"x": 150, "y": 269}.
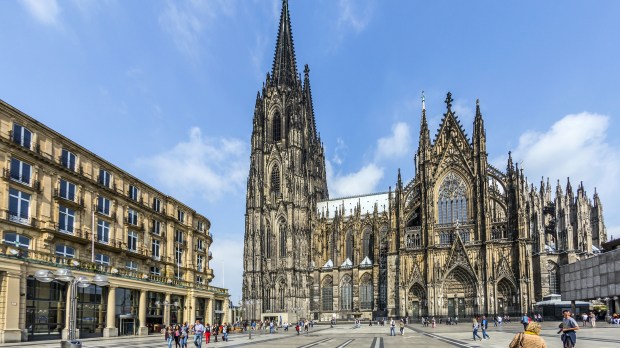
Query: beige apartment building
{"x": 64, "y": 207}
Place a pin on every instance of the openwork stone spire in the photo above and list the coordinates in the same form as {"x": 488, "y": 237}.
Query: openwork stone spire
{"x": 284, "y": 71}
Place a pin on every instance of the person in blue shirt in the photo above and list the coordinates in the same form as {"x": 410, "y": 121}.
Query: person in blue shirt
{"x": 484, "y": 324}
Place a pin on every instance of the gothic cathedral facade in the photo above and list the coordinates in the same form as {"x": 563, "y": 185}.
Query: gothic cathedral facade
{"x": 461, "y": 238}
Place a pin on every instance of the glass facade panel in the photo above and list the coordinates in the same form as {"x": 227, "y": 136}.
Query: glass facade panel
{"x": 91, "y": 310}
{"x": 45, "y": 309}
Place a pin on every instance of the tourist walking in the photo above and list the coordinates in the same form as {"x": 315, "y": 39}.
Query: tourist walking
{"x": 529, "y": 338}
{"x": 475, "y": 326}
{"x": 184, "y": 332}
{"x": 592, "y": 319}
{"x": 569, "y": 326}
{"x": 215, "y": 331}
{"x": 169, "y": 336}
{"x": 225, "y": 332}
{"x": 525, "y": 320}
{"x": 484, "y": 325}
{"x": 401, "y": 326}
{"x": 392, "y": 327}
{"x": 199, "y": 330}
{"x": 207, "y": 333}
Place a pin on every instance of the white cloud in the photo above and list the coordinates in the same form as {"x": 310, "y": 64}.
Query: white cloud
{"x": 201, "y": 166}
{"x": 339, "y": 151}
{"x": 361, "y": 182}
{"x": 575, "y": 146}
{"x": 45, "y": 11}
{"x": 398, "y": 144}
{"x": 355, "y": 14}
{"x": 186, "y": 21}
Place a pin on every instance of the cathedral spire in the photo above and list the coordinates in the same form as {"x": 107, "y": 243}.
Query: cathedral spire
{"x": 284, "y": 70}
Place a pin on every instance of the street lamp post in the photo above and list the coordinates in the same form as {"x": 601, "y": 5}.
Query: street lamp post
{"x": 74, "y": 282}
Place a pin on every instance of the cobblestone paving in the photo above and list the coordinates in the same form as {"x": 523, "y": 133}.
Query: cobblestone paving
{"x": 345, "y": 335}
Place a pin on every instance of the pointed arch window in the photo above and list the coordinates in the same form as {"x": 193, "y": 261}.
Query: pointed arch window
{"x": 346, "y": 298}
{"x": 367, "y": 244}
{"x": 281, "y": 297}
{"x": 452, "y": 200}
{"x": 554, "y": 279}
{"x": 277, "y": 127}
{"x": 282, "y": 231}
{"x": 349, "y": 246}
{"x": 267, "y": 243}
{"x": 366, "y": 294}
{"x": 275, "y": 180}
{"x": 327, "y": 294}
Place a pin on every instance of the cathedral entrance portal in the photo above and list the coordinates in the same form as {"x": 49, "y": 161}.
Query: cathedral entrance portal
{"x": 506, "y": 298}
{"x": 459, "y": 289}
{"x": 416, "y": 305}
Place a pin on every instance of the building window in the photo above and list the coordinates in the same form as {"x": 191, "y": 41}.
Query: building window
{"x": 133, "y": 192}
{"x": 327, "y": 294}
{"x": 267, "y": 243}
{"x": 102, "y": 259}
{"x": 131, "y": 265}
{"x": 178, "y": 275}
{"x": 103, "y": 231}
{"x": 452, "y": 200}
{"x": 156, "y": 226}
{"x": 17, "y": 240}
{"x": 21, "y": 135}
{"x": 178, "y": 236}
{"x": 200, "y": 245}
{"x": 275, "y": 180}
{"x": 178, "y": 255}
{"x": 104, "y": 177}
{"x": 349, "y": 246}
{"x": 65, "y": 251}
{"x": 132, "y": 241}
{"x": 20, "y": 171}
{"x": 554, "y": 279}
{"x": 445, "y": 238}
{"x": 281, "y": 297}
{"x": 155, "y": 271}
{"x": 282, "y": 239}
{"x": 366, "y": 295}
{"x": 346, "y": 299}
{"x": 66, "y": 219}
{"x": 180, "y": 215}
{"x": 132, "y": 217}
{"x": 200, "y": 226}
{"x": 103, "y": 205}
{"x": 199, "y": 280}
{"x": 367, "y": 243}
{"x": 67, "y": 159}
{"x": 19, "y": 206}
{"x": 67, "y": 190}
{"x": 199, "y": 262}
{"x": 277, "y": 127}
{"x": 155, "y": 249}
{"x": 156, "y": 204}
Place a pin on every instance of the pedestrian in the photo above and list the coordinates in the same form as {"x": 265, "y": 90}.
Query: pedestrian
{"x": 584, "y": 319}
{"x": 475, "y": 326}
{"x": 525, "y": 320}
{"x": 569, "y": 326}
{"x": 207, "y": 333}
{"x": 484, "y": 325}
{"x": 529, "y": 338}
{"x": 169, "y": 335}
{"x": 177, "y": 336}
{"x": 199, "y": 330}
{"x": 401, "y": 326}
{"x": 592, "y": 319}
{"x": 392, "y": 327}
{"x": 215, "y": 331}
{"x": 225, "y": 332}
{"x": 184, "y": 329}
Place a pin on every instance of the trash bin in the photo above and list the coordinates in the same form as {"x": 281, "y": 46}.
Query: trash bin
{"x": 71, "y": 344}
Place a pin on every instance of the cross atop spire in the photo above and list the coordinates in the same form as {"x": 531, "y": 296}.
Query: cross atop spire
{"x": 284, "y": 63}
{"x": 449, "y": 101}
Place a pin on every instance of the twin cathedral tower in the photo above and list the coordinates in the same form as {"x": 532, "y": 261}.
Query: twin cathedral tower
{"x": 461, "y": 238}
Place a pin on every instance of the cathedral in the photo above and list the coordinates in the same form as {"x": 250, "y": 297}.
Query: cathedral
{"x": 461, "y": 238}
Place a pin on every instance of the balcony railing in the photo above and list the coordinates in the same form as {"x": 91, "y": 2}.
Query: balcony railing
{"x": 20, "y": 218}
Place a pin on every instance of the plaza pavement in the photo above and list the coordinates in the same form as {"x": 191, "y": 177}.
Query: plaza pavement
{"x": 345, "y": 335}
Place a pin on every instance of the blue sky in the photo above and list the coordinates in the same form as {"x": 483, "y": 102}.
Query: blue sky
{"x": 166, "y": 89}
